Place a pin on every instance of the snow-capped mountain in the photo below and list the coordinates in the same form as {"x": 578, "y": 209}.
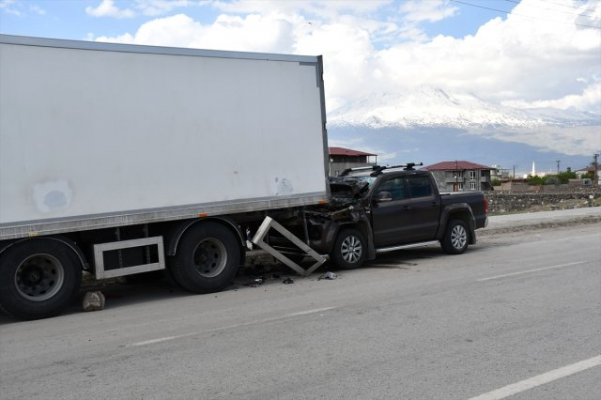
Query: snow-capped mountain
{"x": 433, "y": 107}
{"x": 433, "y": 125}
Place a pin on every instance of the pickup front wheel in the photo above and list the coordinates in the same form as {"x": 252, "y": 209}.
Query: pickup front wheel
{"x": 349, "y": 249}
{"x": 455, "y": 239}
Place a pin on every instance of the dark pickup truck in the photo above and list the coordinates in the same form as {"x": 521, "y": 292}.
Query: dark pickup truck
{"x": 379, "y": 209}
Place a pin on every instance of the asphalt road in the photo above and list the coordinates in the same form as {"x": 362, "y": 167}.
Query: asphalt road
{"x": 518, "y": 316}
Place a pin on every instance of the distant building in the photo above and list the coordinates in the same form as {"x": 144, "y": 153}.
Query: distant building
{"x": 500, "y": 173}
{"x": 341, "y": 159}
{"x": 458, "y": 176}
{"x": 590, "y": 169}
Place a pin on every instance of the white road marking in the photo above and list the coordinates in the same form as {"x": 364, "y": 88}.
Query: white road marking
{"x": 531, "y": 270}
{"x": 539, "y": 380}
{"x": 163, "y": 339}
{"x": 167, "y": 338}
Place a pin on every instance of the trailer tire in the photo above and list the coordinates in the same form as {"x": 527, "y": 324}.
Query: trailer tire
{"x": 38, "y": 278}
{"x": 349, "y": 249}
{"x": 207, "y": 258}
{"x": 456, "y": 237}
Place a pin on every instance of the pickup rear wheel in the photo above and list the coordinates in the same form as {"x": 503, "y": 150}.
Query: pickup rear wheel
{"x": 349, "y": 249}
{"x": 38, "y": 278}
{"x": 207, "y": 258}
{"x": 456, "y": 237}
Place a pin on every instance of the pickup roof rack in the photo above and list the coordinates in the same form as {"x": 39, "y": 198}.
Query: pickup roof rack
{"x": 377, "y": 169}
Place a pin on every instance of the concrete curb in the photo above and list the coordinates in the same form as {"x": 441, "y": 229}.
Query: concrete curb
{"x": 541, "y": 220}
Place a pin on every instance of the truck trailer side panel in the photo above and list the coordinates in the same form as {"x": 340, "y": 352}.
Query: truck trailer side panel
{"x": 101, "y": 135}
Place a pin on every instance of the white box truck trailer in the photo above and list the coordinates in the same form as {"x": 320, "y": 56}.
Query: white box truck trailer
{"x": 122, "y": 159}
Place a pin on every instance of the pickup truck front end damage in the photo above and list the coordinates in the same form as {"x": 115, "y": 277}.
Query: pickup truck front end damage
{"x": 325, "y": 225}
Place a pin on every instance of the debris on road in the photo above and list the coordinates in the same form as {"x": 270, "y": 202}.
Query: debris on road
{"x": 93, "y": 301}
{"x": 330, "y": 276}
{"x": 256, "y": 282}
{"x": 288, "y": 281}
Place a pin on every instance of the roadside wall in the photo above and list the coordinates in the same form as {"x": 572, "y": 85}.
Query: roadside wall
{"x": 502, "y": 202}
{"x": 575, "y": 185}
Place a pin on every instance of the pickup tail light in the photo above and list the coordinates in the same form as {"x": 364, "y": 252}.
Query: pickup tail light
{"x": 485, "y": 206}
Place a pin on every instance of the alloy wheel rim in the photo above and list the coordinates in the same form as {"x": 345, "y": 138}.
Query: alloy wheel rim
{"x": 351, "y": 249}
{"x": 458, "y": 237}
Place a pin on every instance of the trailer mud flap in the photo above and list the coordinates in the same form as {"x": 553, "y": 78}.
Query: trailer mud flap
{"x": 269, "y": 223}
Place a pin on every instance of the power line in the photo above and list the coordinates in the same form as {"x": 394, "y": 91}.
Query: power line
{"x": 550, "y": 9}
{"x": 525, "y": 16}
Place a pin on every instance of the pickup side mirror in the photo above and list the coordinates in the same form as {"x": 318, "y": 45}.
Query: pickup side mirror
{"x": 382, "y": 197}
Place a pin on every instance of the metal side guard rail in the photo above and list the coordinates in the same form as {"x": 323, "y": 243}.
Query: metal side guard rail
{"x": 269, "y": 223}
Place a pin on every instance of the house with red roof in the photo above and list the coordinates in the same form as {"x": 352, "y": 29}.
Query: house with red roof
{"x": 591, "y": 171}
{"x": 342, "y": 158}
{"x": 458, "y": 176}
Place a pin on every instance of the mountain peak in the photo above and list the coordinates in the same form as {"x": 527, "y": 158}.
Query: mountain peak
{"x": 426, "y": 106}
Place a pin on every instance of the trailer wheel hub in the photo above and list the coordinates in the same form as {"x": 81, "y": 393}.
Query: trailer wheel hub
{"x": 210, "y": 257}
{"x": 39, "y": 277}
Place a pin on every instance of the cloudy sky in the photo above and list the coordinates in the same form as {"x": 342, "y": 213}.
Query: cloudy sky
{"x": 524, "y": 54}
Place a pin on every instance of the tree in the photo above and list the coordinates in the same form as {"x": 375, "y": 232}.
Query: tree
{"x": 564, "y": 177}
{"x": 534, "y": 180}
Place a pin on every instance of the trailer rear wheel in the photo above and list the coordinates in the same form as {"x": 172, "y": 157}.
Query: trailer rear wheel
{"x": 207, "y": 258}
{"x": 38, "y": 278}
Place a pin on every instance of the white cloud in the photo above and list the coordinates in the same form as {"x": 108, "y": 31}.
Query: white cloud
{"x": 107, "y": 8}
{"x": 6, "y": 6}
{"x": 159, "y": 7}
{"x": 20, "y": 8}
{"x": 321, "y": 9}
{"x": 177, "y": 31}
{"x": 512, "y": 59}
{"x": 507, "y": 60}
{"x": 589, "y": 99}
{"x": 37, "y": 10}
{"x": 252, "y": 33}
{"x": 431, "y": 11}
{"x": 151, "y": 8}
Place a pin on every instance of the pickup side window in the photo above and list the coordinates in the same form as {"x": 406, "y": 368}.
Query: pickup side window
{"x": 394, "y": 186}
{"x": 420, "y": 186}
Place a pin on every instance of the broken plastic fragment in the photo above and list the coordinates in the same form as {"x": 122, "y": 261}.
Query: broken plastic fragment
{"x": 329, "y": 276}
{"x": 288, "y": 281}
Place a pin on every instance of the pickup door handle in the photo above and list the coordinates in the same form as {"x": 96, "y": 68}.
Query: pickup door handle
{"x": 434, "y": 203}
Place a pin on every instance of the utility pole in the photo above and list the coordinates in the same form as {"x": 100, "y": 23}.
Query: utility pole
{"x": 596, "y": 171}
{"x": 558, "y": 170}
